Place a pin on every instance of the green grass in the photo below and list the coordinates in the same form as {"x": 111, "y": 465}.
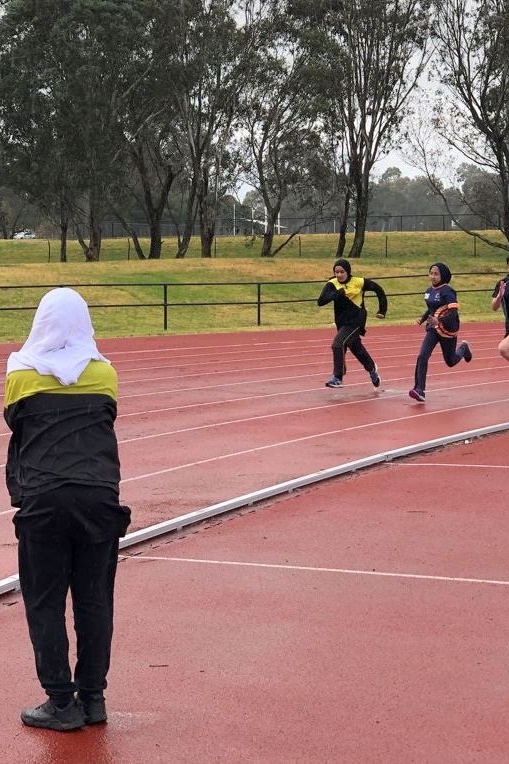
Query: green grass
{"x": 455, "y": 245}
{"x": 404, "y": 257}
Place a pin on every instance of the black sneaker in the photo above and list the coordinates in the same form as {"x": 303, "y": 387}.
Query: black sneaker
{"x": 467, "y": 352}
{"x": 51, "y": 717}
{"x": 94, "y": 709}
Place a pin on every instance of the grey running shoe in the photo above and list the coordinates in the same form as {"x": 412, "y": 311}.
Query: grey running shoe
{"x": 93, "y": 708}
{"x": 334, "y": 382}
{"x": 51, "y": 717}
{"x": 375, "y": 377}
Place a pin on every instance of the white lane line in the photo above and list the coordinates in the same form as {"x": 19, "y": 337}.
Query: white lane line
{"x": 146, "y": 534}
{"x": 324, "y": 333}
{"x": 264, "y": 381}
{"x": 173, "y": 363}
{"x": 281, "y": 393}
{"x": 332, "y": 402}
{"x": 244, "y": 452}
{"x": 371, "y": 423}
{"x": 420, "y": 414}
{"x": 313, "y": 569}
{"x": 453, "y": 464}
{"x": 249, "y": 345}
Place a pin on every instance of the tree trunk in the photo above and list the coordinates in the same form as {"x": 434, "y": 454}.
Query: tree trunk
{"x": 189, "y": 223}
{"x": 137, "y": 246}
{"x": 268, "y": 238}
{"x": 94, "y": 247}
{"x": 207, "y": 240}
{"x": 155, "y": 201}
{"x": 207, "y": 217}
{"x": 343, "y": 223}
{"x": 132, "y": 233}
{"x": 64, "y": 225}
{"x": 155, "y": 239}
{"x": 64, "y": 228}
{"x": 271, "y": 214}
{"x": 361, "y": 216}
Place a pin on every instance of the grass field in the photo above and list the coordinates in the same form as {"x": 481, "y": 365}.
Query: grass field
{"x": 399, "y": 261}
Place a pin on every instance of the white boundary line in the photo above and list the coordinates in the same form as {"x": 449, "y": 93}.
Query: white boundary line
{"x": 315, "y": 569}
{"x": 177, "y": 523}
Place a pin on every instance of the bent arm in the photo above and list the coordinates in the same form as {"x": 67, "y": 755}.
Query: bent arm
{"x": 372, "y": 286}
{"x": 498, "y": 295}
{"x": 328, "y": 294}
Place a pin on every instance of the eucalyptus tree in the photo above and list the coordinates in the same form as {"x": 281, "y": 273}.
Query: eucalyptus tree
{"x": 69, "y": 77}
{"x": 32, "y": 131}
{"x": 154, "y": 133}
{"x": 217, "y": 40}
{"x": 472, "y": 108}
{"x": 368, "y": 56}
{"x": 279, "y": 135}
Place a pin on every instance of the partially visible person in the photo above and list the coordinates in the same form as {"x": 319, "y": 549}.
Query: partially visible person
{"x": 347, "y": 293}
{"x": 63, "y": 474}
{"x": 500, "y": 298}
{"x": 442, "y": 322}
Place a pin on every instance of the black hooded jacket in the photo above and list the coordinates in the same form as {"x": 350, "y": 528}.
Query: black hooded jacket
{"x": 348, "y": 298}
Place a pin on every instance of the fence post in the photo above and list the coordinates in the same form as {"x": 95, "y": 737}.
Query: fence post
{"x": 258, "y": 304}
{"x": 165, "y": 306}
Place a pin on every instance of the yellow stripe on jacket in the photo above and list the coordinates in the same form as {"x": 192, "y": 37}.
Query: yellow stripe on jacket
{"x": 352, "y": 288}
{"x": 98, "y": 377}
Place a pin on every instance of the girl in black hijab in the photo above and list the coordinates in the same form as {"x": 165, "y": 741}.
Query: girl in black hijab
{"x": 442, "y": 322}
{"x": 347, "y": 294}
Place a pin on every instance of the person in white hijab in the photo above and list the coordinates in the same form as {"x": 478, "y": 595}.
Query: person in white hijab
{"x": 61, "y": 341}
{"x": 63, "y": 475}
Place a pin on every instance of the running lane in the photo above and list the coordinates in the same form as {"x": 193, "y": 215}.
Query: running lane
{"x": 208, "y": 417}
{"x": 363, "y": 620}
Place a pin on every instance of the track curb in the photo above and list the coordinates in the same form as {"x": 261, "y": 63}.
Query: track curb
{"x": 11, "y": 583}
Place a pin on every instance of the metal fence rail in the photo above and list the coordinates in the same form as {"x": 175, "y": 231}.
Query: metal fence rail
{"x": 259, "y": 299}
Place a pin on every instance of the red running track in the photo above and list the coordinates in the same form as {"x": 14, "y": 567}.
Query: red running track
{"x": 363, "y": 620}
{"x": 317, "y": 657}
{"x": 208, "y": 417}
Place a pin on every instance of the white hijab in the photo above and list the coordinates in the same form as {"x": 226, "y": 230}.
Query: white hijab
{"x": 61, "y": 340}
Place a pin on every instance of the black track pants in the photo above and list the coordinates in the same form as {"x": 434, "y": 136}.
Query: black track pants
{"x": 429, "y": 343}
{"x": 68, "y": 542}
{"x": 349, "y": 337}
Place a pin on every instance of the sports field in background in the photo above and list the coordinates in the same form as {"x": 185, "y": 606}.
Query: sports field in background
{"x": 399, "y": 260}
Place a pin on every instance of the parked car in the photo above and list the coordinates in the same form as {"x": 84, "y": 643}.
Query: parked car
{"x": 24, "y": 235}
